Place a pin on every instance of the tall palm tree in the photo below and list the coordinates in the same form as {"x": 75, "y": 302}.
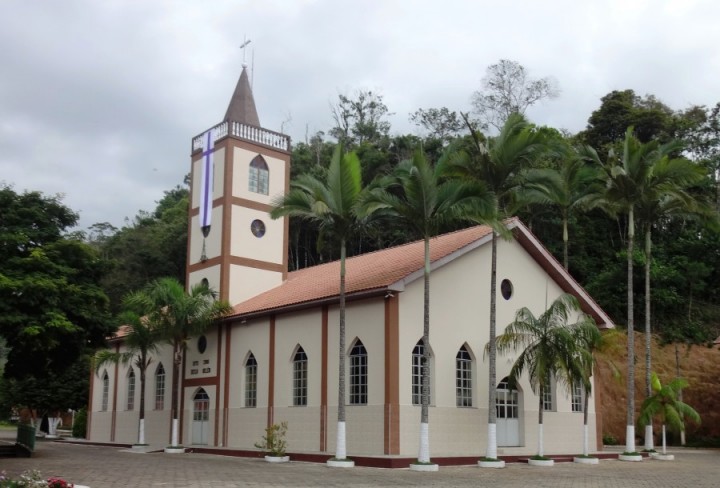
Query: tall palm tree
{"x": 548, "y": 348}
{"x": 626, "y": 176}
{"x": 424, "y": 204}
{"x": 141, "y": 341}
{"x": 665, "y": 195}
{"x": 497, "y": 163}
{"x": 333, "y": 205}
{"x": 177, "y": 316}
{"x": 569, "y": 187}
{"x": 664, "y": 403}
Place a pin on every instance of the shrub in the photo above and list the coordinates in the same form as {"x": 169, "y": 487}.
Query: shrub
{"x": 80, "y": 426}
{"x": 273, "y": 442}
{"x": 609, "y": 440}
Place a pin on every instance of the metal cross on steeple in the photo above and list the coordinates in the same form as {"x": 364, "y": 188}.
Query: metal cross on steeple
{"x": 243, "y": 46}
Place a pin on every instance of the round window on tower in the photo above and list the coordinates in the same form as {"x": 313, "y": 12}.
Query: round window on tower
{"x": 202, "y": 344}
{"x": 257, "y": 227}
{"x": 506, "y": 289}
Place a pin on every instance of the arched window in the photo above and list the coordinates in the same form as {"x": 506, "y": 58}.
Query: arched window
{"x": 259, "y": 177}
{"x": 578, "y": 397}
{"x": 358, "y": 374}
{"x": 131, "y": 389}
{"x": 105, "y": 391}
{"x": 418, "y": 360}
{"x": 160, "y": 387}
{"x": 300, "y": 377}
{"x": 251, "y": 381}
{"x": 463, "y": 378}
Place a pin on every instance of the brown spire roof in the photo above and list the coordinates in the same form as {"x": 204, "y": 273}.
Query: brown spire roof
{"x": 242, "y": 104}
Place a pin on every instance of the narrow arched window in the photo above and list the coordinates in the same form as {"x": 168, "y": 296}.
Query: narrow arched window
{"x": 418, "y": 361}
{"x": 131, "y": 389}
{"x": 463, "y": 378}
{"x": 300, "y": 377}
{"x": 358, "y": 374}
{"x": 251, "y": 381}
{"x": 259, "y": 177}
{"x": 160, "y": 387}
{"x": 105, "y": 391}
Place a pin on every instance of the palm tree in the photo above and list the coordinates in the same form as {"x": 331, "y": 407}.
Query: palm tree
{"x": 625, "y": 177}
{"x": 590, "y": 340}
{"x": 664, "y": 196}
{"x": 498, "y": 164}
{"x": 177, "y": 316}
{"x": 569, "y": 187}
{"x": 141, "y": 339}
{"x": 425, "y": 203}
{"x": 332, "y": 204}
{"x": 666, "y": 405}
{"x": 549, "y": 348}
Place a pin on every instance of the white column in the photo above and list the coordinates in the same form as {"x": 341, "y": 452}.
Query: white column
{"x": 341, "y": 450}
{"x": 491, "y": 452}
{"x": 630, "y": 438}
{"x": 424, "y": 454}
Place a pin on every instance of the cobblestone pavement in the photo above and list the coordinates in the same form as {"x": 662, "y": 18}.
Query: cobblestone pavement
{"x": 109, "y": 467}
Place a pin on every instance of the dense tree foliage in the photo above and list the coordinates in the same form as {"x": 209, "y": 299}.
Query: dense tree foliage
{"x": 52, "y": 308}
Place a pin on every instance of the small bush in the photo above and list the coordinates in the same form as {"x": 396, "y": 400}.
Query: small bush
{"x": 273, "y": 442}
{"x": 609, "y": 440}
{"x": 80, "y": 426}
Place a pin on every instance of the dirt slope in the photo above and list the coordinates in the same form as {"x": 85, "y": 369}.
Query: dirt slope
{"x": 700, "y": 365}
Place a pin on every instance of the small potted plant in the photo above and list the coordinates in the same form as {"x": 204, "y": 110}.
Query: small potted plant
{"x": 274, "y": 443}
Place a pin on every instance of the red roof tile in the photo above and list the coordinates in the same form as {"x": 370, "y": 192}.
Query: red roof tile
{"x": 372, "y": 271}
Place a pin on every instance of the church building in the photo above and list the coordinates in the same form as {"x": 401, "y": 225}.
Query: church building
{"x": 276, "y": 359}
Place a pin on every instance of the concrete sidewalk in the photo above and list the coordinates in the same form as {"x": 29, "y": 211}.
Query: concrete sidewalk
{"x": 109, "y": 467}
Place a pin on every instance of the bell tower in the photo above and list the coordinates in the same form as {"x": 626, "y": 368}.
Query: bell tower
{"x": 237, "y": 168}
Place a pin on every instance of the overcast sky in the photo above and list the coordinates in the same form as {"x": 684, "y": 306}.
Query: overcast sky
{"x": 99, "y": 100}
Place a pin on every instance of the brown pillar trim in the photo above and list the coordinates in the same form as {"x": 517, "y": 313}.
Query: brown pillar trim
{"x": 392, "y": 376}
{"x": 324, "y": 382}
{"x": 286, "y": 233}
{"x": 271, "y": 373}
{"x": 226, "y": 221}
{"x": 181, "y": 413}
{"x": 598, "y": 414}
{"x": 88, "y": 429}
{"x": 115, "y": 389}
{"x": 226, "y": 387}
{"x": 217, "y": 389}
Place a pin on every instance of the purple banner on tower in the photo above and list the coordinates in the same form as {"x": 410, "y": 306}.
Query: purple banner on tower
{"x": 206, "y": 182}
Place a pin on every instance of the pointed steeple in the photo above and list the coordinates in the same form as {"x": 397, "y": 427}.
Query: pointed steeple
{"x": 242, "y": 104}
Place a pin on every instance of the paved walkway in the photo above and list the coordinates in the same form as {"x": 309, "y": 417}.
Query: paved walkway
{"x": 109, "y": 467}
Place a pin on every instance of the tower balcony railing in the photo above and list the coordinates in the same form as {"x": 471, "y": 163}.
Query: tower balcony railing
{"x": 247, "y": 132}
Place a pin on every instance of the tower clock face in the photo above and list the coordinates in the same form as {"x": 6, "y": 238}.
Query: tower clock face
{"x": 257, "y": 227}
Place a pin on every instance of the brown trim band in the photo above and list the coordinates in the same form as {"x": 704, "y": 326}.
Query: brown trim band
{"x": 210, "y": 263}
{"x": 392, "y": 376}
{"x": 194, "y": 212}
{"x": 244, "y": 202}
{"x": 324, "y": 382}
{"x": 208, "y": 381}
{"x": 598, "y": 414}
{"x": 255, "y": 263}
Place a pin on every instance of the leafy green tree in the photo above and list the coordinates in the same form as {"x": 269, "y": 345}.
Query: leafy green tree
{"x": 498, "y": 164}
{"x": 332, "y": 204}
{"x": 548, "y": 349}
{"x": 141, "y": 341}
{"x": 666, "y": 405}
{"x": 52, "y": 309}
{"x": 177, "y": 316}
{"x": 438, "y": 123}
{"x": 360, "y": 118}
{"x": 425, "y": 202}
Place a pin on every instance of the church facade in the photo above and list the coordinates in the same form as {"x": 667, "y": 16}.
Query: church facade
{"x": 276, "y": 358}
